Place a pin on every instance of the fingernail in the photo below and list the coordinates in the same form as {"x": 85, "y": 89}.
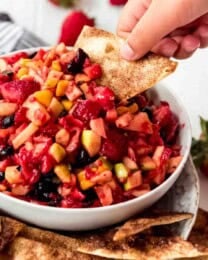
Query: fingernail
{"x": 127, "y": 52}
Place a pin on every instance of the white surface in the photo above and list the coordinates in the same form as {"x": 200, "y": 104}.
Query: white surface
{"x": 190, "y": 81}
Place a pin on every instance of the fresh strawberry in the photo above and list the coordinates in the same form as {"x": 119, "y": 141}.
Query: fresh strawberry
{"x": 18, "y": 90}
{"x": 94, "y": 71}
{"x": 15, "y": 57}
{"x": 72, "y": 26}
{"x": 118, "y": 2}
{"x": 64, "y": 3}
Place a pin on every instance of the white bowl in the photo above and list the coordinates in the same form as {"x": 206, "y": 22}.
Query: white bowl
{"x": 92, "y": 218}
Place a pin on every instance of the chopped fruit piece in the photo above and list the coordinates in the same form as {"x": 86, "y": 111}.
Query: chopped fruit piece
{"x": 91, "y": 142}
{"x": 143, "y": 189}
{"x": 86, "y": 110}
{"x": 105, "y": 97}
{"x": 61, "y": 87}
{"x": 104, "y": 194}
{"x": 20, "y": 190}
{"x": 3, "y": 65}
{"x": 147, "y": 163}
{"x": 129, "y": 163}
{"x": 7, "y": 109}
{"x": 98, "y": 126}
{"x": 158, "y": 154}
{"x": 102, "y": 177}
{"x": 173, "y": 163}
{"x": 133, "y": 181}
{"x": 13, "y": 175}
{"x": 22, "y": 72}
{"x": 111, "y": 115}
{"x": 55, "y": 107}
{"x": 57, "y": 152}
{"x": 51, "y": 83}
{"x": 84, "y": 183}
{"x": 23, "y": 136}
{"x": 44, "y": 97}
{"x": 67, "y": 104}
{"x": 121, "y": 172}
{"x": 81, "y": 78}
{"x": 73, "y": 92}
{"x": 37, "y": 113}
{"x": 124, "y": 120}
{"x": 131, "y": 109}
{"x": 103, "y": 164}
{"x": 62, "y": 137}
{"x": 62, "y": 171}
{"x": 94, "y": 71}
{"x": 18, "y": 90}
{"x": 56, "y": 65}
{"x": 16, "y": 57}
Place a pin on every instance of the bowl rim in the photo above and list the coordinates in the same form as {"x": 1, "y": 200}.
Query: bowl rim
{"x": 127, "y": 203}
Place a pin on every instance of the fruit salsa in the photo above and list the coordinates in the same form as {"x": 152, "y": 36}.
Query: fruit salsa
{"x": 66, "y": 141}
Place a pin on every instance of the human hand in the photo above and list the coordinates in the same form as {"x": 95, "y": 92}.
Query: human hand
{"x": 173, "y": 28}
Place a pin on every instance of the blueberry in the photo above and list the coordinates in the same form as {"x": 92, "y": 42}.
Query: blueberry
{"x": 8, "y": 121}
{"x": 148, "y": 110}
{"x": 63, "y": 113}
{"x": 83, "y": 159}
{"x": 76, "y": 65}
{"x": 2, "y": 176}
{"x": 6, "y": 151}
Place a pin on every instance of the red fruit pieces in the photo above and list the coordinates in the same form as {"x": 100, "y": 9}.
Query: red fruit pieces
{"x": 94, "y": 71}
{"x": 72, "y": 26}
{"x": 18, "y": 90}
{"x": 70, "y": 123}
{"x": 15, "y": 57}
{"x": 118, "y": 2}
{"x": 20, "y": 116}
{"x": 86, "y": 110}
{"x": 105, "y": 96}
{"x": 115, "y": 146}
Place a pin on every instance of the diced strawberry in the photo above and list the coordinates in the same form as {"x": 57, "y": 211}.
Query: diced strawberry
{"x": 118, "y": 2}
{"x": 94, "y": 71}
{"x": 15, "y": 57}
{"x": 20, "y": 116}
{"x": 50, "y": 129}
{"x": 40, "y": 55}
{"x": 85, "y": 110}
{"x": 111, "y": 147}
{"x": 69, "y": 122}
{"x": 3, "y": 78}
{"x": 18, "y": 90}
{"x": 105, "y": 96}
{"x": 98, "y": 126}
{"x": 74, "y": 140}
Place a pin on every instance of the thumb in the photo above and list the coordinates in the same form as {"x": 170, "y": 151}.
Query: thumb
{"x": 161, "y": 18}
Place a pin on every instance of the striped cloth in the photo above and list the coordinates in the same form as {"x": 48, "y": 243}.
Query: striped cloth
{"x": 13, "y": 37}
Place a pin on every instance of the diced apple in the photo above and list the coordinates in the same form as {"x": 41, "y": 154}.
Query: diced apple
{"x": 22, "y": 137}
{"x": 84, "y": 183}
{"x": 157, "y": 155}
{"x": 98, "y": 126}
{"x": 104, "y": 194}
{"x": 73, "y": 92}
{"x": 124, "y": 120}
{"x": 121, "y": 172}
{"x": 140, "y": 123}
{"x": 13, "y": 175}
{"x": 63, "y": 173}
{"x": 133, "y": 181}
{"x": 129, "y": 163}
{"x": 111, "y": 115}
{"x": 62, "y": 137}
{"x": 7, "y": 109}
{"x": 173, "y": 163}
{"x": 20, "y": 190}
{"x": 55, "y": 107}
{"x": 102, "y": 178}
{"x": 147, "y": 163}
{"x": 57, "y": 152}
{"x": 36, "y": 113}
{"x": 103, "y": 164}
{"x": 143, "y": 189}
{"x": 44, "y": 97}
{"x": 3, "y": 65}
{"x": 91, "y": 142}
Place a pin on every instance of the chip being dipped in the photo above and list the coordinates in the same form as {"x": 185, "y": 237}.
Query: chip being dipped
{"x": 126, "y": 78}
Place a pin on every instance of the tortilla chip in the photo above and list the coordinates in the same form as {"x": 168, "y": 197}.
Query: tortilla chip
{"x": 126, "y": 78}
{"x": 27, "y": 249}
{"x": 135, "y": 226}
{"x": 9, "y": 228}
{"x": 143, "y": 247}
